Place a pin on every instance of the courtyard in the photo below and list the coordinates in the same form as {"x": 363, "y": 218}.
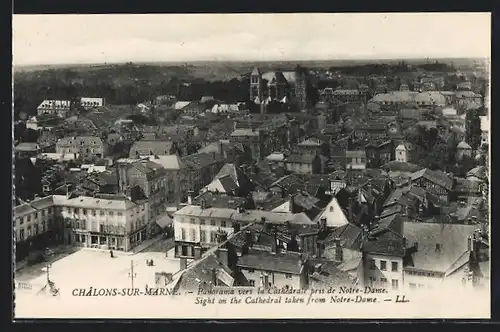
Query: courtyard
{"x": 87, "y": 268}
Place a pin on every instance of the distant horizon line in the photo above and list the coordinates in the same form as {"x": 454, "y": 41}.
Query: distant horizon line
{"x": 248, "y": 60}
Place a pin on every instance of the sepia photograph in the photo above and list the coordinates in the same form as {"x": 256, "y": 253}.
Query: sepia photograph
{"x": 242, "y": 166}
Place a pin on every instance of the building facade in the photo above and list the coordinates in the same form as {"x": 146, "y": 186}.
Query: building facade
{"x": 113, "y": 222}
{"x": 58, "y": 108}
{"x": 87, "y": 147}
{"x": 278, "y": 85}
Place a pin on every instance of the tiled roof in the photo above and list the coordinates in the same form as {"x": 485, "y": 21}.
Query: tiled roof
{"x": 274, "y": 76}
{"x": 436, "y": 177}
{"x": 355, "y": 154}
{"x": 330, "y": 275}
{"x": 246, "y": 216}
{"x": 200, "y": 160}
{"x": 349, "y": 235}
{"x": 289, "y": 262}
{"x": 479, "y": 172}
{"x": 312, "y": 141}
{"x": 220, "y": 201}
{"x": 245, "y": 132}
{"x": 398, "y": 166}
{"x": 145, "y": 148}
{"x": 300, "y": 158}
{"x": 452, "y": 239}
{"x": 202, "y": 273}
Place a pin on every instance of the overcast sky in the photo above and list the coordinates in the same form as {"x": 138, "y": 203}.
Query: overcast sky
{"x": 69, "y": 39}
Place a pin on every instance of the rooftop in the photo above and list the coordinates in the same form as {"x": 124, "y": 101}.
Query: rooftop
{"x": 451, "y": 239}
{"x": 246, "y": 216}
{"x": 289, "y": 262}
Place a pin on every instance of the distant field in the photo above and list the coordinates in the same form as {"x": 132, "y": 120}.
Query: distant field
{"x": 221, "y": 70}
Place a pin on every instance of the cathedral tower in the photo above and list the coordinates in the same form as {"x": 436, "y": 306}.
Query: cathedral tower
{"x": 256, "y": 84}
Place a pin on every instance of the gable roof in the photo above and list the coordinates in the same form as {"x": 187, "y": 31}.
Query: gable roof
{"x": 349, "y": 235}
{"x": 438, "y": 177}
{"x": 334, "y": 214}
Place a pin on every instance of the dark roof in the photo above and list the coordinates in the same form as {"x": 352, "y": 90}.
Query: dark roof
{"x": 289, "y": 183}
{"x": 398, "y": 166}
{"x": 202, "y": 273}
{"x": 201, "y": 160}
{"x": 220, "y": 200}
{"x": 330, "y": 275}
{"x": 349, "y": 235}
{"x": 145, "y": 148}
{"x": 438, "y": 177}
{"x": 386, "y": 237}
{"x": 235, "y": 173}
{"x": 371, "y": 126}
{"x": 392, "y": 210}
{"x": 227, "y": 183}
{"x": 289, "y": 262}
{"x": 300, "y": 158}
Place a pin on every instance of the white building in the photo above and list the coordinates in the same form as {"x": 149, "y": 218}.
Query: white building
{"x": 485, "y": 129}
{"x": 59, "y": 108}
{"x": 196, "y": 227}
{"x": 402, "y": 153}
{"x": 88, "y": 102}
{"x": 449, "y": 112}
{"x": 107, "y": 222}
{"x": 334, "y": 214}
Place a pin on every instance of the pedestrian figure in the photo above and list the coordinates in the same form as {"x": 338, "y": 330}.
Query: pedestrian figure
{"x": 111, "y": 253}
{"x": 152, "y": 263}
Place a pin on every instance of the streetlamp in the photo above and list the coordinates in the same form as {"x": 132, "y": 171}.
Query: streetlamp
{"x": 132, "y": 274}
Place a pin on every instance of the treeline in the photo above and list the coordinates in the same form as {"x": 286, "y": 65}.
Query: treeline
{"x": 120, "y": 85}
{"x": 384, "y": 68}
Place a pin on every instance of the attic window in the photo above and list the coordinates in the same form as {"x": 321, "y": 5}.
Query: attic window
{"x": 331, "y": 208}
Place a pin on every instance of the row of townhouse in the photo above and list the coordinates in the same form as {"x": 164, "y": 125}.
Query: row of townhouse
{"x": 61, "y": 108}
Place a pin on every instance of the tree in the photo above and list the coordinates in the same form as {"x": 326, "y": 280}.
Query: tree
{"x": 473, "y": 129}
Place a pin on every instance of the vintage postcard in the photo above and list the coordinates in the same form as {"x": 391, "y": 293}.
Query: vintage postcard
{"x": 226, "y": 166}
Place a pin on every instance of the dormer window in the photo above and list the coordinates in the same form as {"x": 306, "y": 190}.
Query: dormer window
{"x": 438, "y": 247}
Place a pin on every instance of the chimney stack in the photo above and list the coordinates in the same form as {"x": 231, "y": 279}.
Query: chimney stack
{"x": 338, "y": 251}
{"x": 203, "y": 204}
{"x": 350, "y": 212}
{"x": 190, "y": 197}
{"x": 214, "y": 277}
{"x": 469, "y": 243}
{"x": 223, "y": 256}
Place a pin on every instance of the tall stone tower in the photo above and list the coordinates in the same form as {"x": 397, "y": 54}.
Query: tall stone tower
{"x": 256, "y": 84}
{"x": 301, "y": 86}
